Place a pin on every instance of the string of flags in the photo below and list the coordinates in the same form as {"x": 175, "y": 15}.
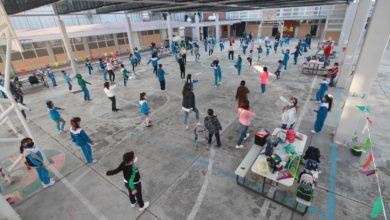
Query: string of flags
{"x": 23, "y": 71}
{"x": 377, "y": 207}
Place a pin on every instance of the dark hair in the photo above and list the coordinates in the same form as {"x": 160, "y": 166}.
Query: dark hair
{"x": 244, "y": 104}
{"x": 336, "y": 64}
{"x": 100, "y": 59}
{"x": 128, "y": 157}
{"x": 49, "y": 104}
{"x": 295, "y": 101}
{"x": 75, "y": 122}
{"x": 251, "y": 51}
{"x": 160, "y": 65}
{"x": 280, "y": 61}
{"x": 242, "y": 83}
{"x": 106, "y": 85}
{"x": 210, "y": 112}
{"x": 265, "y": 69}
{"x": 187, "y": 89}
{"x": 188, "y": 79}
{"x": 123, "y": 66}
{"x": 63, "y": 71}
{"x": 329, "y": 100}
{"x": 142, "y": 96}
{"x": 23, "y": 142}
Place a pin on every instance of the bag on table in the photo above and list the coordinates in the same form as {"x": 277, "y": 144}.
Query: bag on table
{"x": 305, "y": 191}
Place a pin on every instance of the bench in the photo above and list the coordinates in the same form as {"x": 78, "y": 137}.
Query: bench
{"x": 247, "y": 162}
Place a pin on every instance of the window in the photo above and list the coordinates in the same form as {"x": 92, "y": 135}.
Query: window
{"x": 58, "y": 50}
{"x": 42, "y": 52}
{"x": 79, "y": 47}
{"x": 144, "y": 33}
{"x": 150, "y": 32}
{"x": 93, "y": 45}
{"x": 91, "y": 38}
{"x": 127, "y": 40}
{"x": 39, "y": 44}
{"x": 29, "y": 54}
{"x": 109, "y": 37}
{"x": 102, "y": 44}
{"x": 27, "y": 46}
{"x": 121, "y": 41}
{"x": 76, "y": 40}
{"x": 16, "y": 56}
{"x": 120, "y": 35}
{"x": 100, "y": 37}
{"x": 175, "y": 30}
{"x": 1, "y": 61}
{"x": 157, "y": 32}
{"x": 56, "y": 43}
{"x": 110, "y": 43}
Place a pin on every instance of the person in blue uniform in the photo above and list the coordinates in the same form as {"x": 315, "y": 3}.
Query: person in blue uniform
{"x": 322, "y": 113}
{"x": 296, "y": 54}
{"x": 238, "y": 64}
{"x": 217, "y": 74}
{"x": 88, "y": 64}
{"x": 286, "y": 58}
{"x": 52, "y": 77}
{"x": 81, "y": 139}
{"x": 102, "y": 66}
{"x": 154, "y": 60}
{"x": 321, "y": 92}
{"x": 55, "y": 116}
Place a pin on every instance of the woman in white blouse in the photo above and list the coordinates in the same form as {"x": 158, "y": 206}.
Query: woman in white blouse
{"x": 110, "y": 92}
{"x": 290, "y": 113}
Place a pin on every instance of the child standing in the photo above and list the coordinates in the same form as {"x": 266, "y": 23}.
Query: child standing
{"x": 88, "y": 64}
{"x": 154, "y": 60}
{"x": 212, "y": 124}
{"x": 67, "y": 79}
{"x": 83, "y": 85}
{"x": 279, "y": 69}
{"x": 333, "y": 74}
{"x": 52, "y": 77}
{"x": 238, "y": 64}
{"x": 34, "y": 158}
{"x": 250, "y": 57}
{"x": 221, "y": 46}
{"x": 286, "y": 58}
{"x": 296, "y": 54}
{"x": 276, "y": 44}
{"x": 188, "y": 104}
{"x": 196, "y": 52}
{"x": 137, "y": 56}
{"x": 217, "y": 74}
{"x": 264, "y": 79}
{"x": 102, "y": 66}
{"x": 231, "y": 52}
{"x": 144, "y": 108}
{"x": 161, "y": 77}
{"x": 267, "y": 46}
{"x": 133, "y": 61}
{"x": 22, "y": 108}
{"x": 56, "y": 117}
{"x": 244, "y": 46}
{"x": 321, "y": 92}
{"x": 132, "y": 179}
{"x": 259, "y": 52}
{"x": 125, "y": 74}
{"x": 242, "y": 93}
{"x": 81, "y": 139}
{"x": 322, "y": 113}
{"x": 243, "y": 116}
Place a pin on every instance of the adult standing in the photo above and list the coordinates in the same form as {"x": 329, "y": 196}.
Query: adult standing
{"x": 327, "y": 53}
{"x": 110, "y": 70}
{"x": 322, "y": 113}
{"x": 244, "y": 114}
{"x": 110, "y": 92}
{"x": 242, "y": 93}
{"x": 188, "y": 104}
{"x": 289, "y": 116}
{"x": 231, "y": 52}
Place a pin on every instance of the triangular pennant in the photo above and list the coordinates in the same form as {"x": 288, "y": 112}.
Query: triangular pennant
{"x": 367, "y": 144}
{"x": 368, "y": 162}
{"x": 365, "y": 128}
{"x": 369, "y": 121}
{"x": 369, "y": 172}
{"x": 377, "y": 208}
{"x": 363, "y": 108}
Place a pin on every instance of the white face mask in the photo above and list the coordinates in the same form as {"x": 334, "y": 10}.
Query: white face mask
{"x": 135, "y": 159}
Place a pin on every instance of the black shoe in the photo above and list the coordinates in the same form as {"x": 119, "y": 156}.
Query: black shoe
{"x": 115, "y": 110}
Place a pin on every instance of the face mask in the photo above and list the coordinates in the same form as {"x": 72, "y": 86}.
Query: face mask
{"x": 135, "y": 159}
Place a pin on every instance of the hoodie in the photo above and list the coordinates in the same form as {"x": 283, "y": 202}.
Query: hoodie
{"x": 154, "y": 61}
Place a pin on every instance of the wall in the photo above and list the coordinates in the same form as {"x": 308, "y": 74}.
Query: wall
{"x": 252, "y": 28}
{"x": 267, "y": 31}
{"x": 148, "y": 39}
{"x": 335, "y": 36}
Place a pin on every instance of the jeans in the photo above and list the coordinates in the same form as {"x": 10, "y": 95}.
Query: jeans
{"x": 86, "y": 94}
{"x": 216, "y": 137}
{"x": 243, "y": 131}
{"x": 90, "y": 70}
{"x": 184, "y": 56}
{"x": 331, "y": 84}
{"x": 69, "y": 85}
{"x": 263, "y": 88}
{"x": 43, "y": 175}
{"x": 53, "y": 81}
{"x": 186, "y": 115}
{"x": 87, "y": 151}
{"x": 104, "y": 74}
{"x": 24, "y": 114}
{"x": 112, "y": 75}
{"x": 197, "y": 56}
{"x": 231, "y": 55}
{"x": 162, "y": 84}
{"x": 137, "y": 197}
{"x": 113, "y": 103}
{"x": 239, "y": 70}
{"x": 295, "y": 60}
{"x": 285, "y": 62}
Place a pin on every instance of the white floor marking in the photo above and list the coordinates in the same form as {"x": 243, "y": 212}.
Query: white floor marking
{"x": 203, "y": 190}
{"x": 304, "y": 109}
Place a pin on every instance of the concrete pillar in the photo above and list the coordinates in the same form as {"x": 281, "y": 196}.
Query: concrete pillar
{"x": 129, "y": 31}
{"x": 197, "y": 31}
{"x": 3, "y": 57}
{"x": 281, "y": 29}
{"x": 346, "y": 28}
{"x": 217, "y": 28}
{"x": 374, "y": 45}
{"x": 357, "y": 29}
{"x": 228, "y": 31}
{"x": 86, "y": 46}
{"x": 318, "y": 28}
{"x": 116, "y": 42}
{"x": 50, "y": 51}
{"x": 68, "y": 48}
{"x": 325, "y": 29}
{"x": 260, "y": 31}
{"x": 7, "y": 61}
{"x": 170, "y": 32}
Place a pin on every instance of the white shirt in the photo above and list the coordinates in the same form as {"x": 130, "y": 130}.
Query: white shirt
{"x": 289, "y": 116}
{"x": 110, "y": 66}
{"x": 110, "y": 92}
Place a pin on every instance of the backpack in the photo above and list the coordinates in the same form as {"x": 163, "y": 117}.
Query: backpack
{"x": 312, "y": 153}
{"x": 290, "y": 137}
{"x": 305, "y": 191}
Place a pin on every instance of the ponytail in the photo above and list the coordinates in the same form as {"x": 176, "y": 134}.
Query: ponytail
{"x": 74, "y": 122}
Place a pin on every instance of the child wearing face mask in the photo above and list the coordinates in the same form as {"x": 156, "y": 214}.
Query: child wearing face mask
{"x": 34, "y": 159}
{"x": 289, "y": 114}
{"x": 132, "y": 179}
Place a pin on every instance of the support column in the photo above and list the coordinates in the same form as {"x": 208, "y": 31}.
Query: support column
{"x": 217, "y": 28}
{"x": 325, "y": 29}
{"x": 197, "y": 31}
{"x": 50, "y": 51}
{"x": 281, "y": 29}
{"x": 374, "y": 45}
{"x": 358, "y": 25}
{"x": 7, "y": 61}
{"x": 68, "y": 48}
{"x": 170, "y": 32}
{"x": 3, "y": 57}
{"x": 115, "y": 42}
{"x": 86, "y": 46}
{"x": 228, "y": 31}
{"x": 260, "y": 31}
{"x": 346, "y": 29}
{"x": 129, "y": 31}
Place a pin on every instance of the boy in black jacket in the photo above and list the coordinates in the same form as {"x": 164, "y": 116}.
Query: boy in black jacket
{"x": 132, "y": 179}
{"x": 213, "y": 126}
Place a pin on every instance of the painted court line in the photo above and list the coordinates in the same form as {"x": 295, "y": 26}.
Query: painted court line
{"x": 304, "y": 109}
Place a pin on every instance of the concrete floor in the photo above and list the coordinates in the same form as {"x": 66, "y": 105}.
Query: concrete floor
{"x": 180, "y": 181}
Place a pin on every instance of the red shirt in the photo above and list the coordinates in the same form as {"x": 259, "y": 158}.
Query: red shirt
{"x": 328, "y": 50}
{"x": 334, "y": 71}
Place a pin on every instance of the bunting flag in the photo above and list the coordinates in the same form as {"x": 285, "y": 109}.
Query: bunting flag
{"x": 65, "y": 62}
{"x": 12, "y": 73}
{"x": 82, "y": 58}
{"x": 368, "y": 162}
{"x": 365, "y": 128}
{"x": 363, "y": 108}
{"x": 367, "y": 144}
{"x": 56, "y": 64}
{"x": 48, "y": 65}
{"x": 368, "y": 172}
{"x": 377, "y": 208}
{"x": 369, "y": 121}
{"x": 23, "y": 71}
{"x": 123, "y": 51}
{"x": 105, "y": 54}
{"x": 90, "y": 58}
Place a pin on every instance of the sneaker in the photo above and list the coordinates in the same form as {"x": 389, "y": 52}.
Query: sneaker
{"x": 132, "y": 205}
{"x": 198, "y": 124}
{"x": 314, "y": 132}
{"x": 49, "y": 184}
{"x": 239, "y": 146}
{"x": 146, "y": 205}
{"x": 246, "y": 137}
{"x": 186, "y": 127}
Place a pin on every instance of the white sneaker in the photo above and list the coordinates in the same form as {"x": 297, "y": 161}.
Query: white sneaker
{"x": 314, "y": 132}
{"x": 133, "y": 205}
{"x": 239, "y": 146}
{"x": 247, "y": 136}
{"x": 146, "y": 205}
{"x": 49, "y": 184}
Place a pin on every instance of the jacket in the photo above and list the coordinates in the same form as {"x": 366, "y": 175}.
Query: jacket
{"x": 212, "y": 124}
{"x": 160, "y": 74}
{"x": 125, "y": 73}
{"x": 32, "y": 160}
{"x": 79, "y": 137}
{"x": 154, "y": 61}
{"x": 54, "y": 114}
{"x": 189, "y": 101}
{"x": 242, "y": 93}
{"x": 144, "y": 106}
{"x": 289, "y": 116}
{"x": 130, "y": 173}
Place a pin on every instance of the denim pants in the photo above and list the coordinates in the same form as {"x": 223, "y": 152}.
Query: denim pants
{"x": 104, "y": 75}
{"x": 244, "y": 130}
{"x": 69, "y": 85}
{"x": 86, "y": 94}
{"x": 186, "y": 115}
{"x": 43, "y": 175}
{"x": 263, "y": 88}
